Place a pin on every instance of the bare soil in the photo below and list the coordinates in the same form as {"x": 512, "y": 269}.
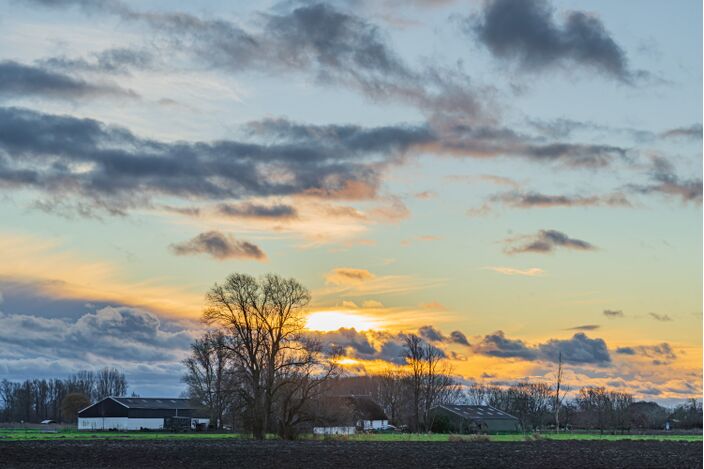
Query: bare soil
{"x": 348, "y": 454}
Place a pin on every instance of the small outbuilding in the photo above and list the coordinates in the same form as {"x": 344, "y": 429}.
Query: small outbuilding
{"x": 347, "y": 415}
{"x": 141, "y": 413}
{"x": 473, "y": 419}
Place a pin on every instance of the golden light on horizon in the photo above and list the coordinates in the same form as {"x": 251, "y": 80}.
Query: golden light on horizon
{"x": 334, "y": 320}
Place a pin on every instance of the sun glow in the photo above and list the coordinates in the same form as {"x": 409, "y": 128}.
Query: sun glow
{"x": 333, "y": 320}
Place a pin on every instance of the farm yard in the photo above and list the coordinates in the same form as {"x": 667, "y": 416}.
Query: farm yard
{"x": 206, "y": 451}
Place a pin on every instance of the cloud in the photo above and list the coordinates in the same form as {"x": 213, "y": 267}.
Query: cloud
{"x": 425, "y": 195}
{"x": 220, "y": 246}
{"x": 459, "y": 338}
{"x": 660, "y": 317}
{"x": 348, "y": 276}
{"x": 113, "y": 169}
{"x": 547, "y": 241}
{"x": 497, "y": 345}
{"x": 527, "y": 200}
{"x": 666, "y": 182}
{"x": 95, "y": 167}
{"x": 524, "y": 31}
{"x": 693, "y": 132}
{"x": 431, "y": 334}
{"x": 511, "y": 271}
{"x": 147, "y": 348}
{"x": 19, "y": 80}
{"x": 579, "y": 349}
{"x": 662, "y": 351}
{"x": 332, "y": 46}
{"x": 585, "y": 327}
{"x": 611, "y": 313}
{"x": 252, "y": 210}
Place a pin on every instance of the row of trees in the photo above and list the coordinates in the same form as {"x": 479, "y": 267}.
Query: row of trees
{"x": 58, "y": 399}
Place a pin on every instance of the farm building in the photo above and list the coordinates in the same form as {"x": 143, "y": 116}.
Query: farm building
{"x": 137, "y": 413}
{"x": 474, "y": 419}
{"x": 352, "y": 414}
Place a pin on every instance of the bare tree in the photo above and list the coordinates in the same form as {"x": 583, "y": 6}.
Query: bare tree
{"x": 390, "y": 392}
{"x": 109, "y": 382}
{"x": 263, "y": 321}
{"x": 209, "y": 375}
{"x": 558, "y": 398}
{"x": 82, "y": 382}
{"x": 415, "y": 355}
{"x": 298, "y": 387}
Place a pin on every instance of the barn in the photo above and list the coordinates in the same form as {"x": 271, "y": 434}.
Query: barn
{"x": 141, "y": 413}
{"x": 473, "y": 419}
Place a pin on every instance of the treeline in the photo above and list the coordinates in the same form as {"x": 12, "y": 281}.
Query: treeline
{"x": 58, "y": 399}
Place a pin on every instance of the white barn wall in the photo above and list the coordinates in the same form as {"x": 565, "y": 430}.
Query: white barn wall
{"x": 119, "y": 423}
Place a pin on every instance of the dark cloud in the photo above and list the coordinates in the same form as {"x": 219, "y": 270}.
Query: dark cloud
{"x": 119, "y": 333}
{"x": 459, "y": 338}
{"x": 252, "y": 210}
{"x": 220, "y": 246}
{"x": 692, "y": 132}
{"x": 579, "y": 349}
{"x": 611, "y": 313}
{"x": 547, "y": 241}
{"x": 662, "y": 351}
{"x": 525, "y": 31}
{"x": 526, "y": 200}
{"x": 665, "y": 181}
{"x": 19, "y": 80}
{"x": 497, "y": 345}
{"x": 431, "y": 334}
{"x": 585, "y": 327}
{"x": 332, "y": 46}
{"x": 116, "y": 170}
{"x": 149, "y": 349}
{"x": 660, "y": 317}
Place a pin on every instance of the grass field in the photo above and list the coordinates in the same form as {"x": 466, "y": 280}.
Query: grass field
{"x": 39, "y": 435}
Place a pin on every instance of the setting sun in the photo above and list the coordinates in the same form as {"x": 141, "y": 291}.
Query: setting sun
{"x": 333, "y": 320}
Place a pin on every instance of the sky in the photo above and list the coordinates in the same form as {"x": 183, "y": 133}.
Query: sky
{"x": 512, "y": 180}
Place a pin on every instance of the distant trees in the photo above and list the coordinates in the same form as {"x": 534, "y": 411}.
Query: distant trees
{"x": 36, "y": 400}
{"x": 260, "y": 364}
{"x": 71, "y": 404}
{"x": 109, "y": 382}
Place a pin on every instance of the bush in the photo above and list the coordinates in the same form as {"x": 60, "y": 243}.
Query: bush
{"x": 535, "y": 437}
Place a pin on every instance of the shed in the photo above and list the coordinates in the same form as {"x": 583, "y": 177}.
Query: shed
{"x": 474, "y": 419}
{"x": 354, "y": 413}
{"x": 138, "y": 413}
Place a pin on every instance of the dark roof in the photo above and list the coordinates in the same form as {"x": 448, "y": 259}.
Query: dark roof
{"x": 366, "y": 408}
{"x": 154, "y": 402}
{"x": 478, "y": 412}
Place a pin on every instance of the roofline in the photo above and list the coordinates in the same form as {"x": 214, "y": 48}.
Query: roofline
{"x": 101, "y": 400}
{"x": 503, "y": 414}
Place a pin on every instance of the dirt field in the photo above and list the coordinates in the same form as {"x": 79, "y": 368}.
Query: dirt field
{"x": 344, "y": 454}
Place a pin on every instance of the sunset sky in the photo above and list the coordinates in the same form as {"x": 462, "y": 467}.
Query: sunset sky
{"x": 511, "y": 179}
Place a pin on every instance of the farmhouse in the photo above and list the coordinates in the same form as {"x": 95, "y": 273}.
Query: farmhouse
{"x": 351, "y": 414}
{"x": 137, "y": 413}
{"x": 474, "y": 419}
